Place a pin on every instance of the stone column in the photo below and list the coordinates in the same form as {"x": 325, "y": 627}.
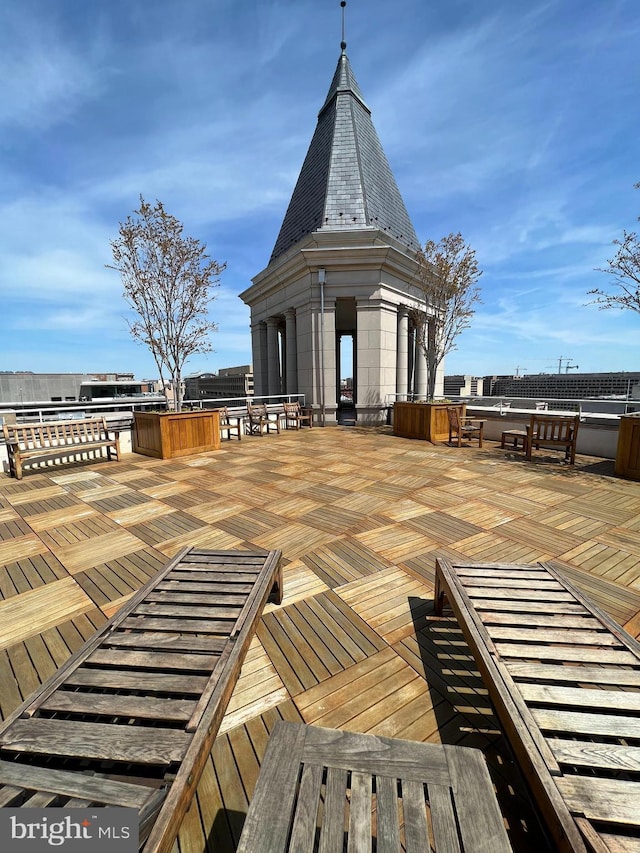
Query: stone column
{"x": 291, "y": 372}
{"x": 273, "y": 357}
{"x": 259, "y": 354}
{"x": 420, "y": 373}
{"x": 325, "y": 354}
{"x": 376, "y": 358}
{"x": 402, "y": 367}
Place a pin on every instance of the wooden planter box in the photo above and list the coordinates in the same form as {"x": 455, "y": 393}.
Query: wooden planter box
{"x": 628, "y": 452}
{"x": 166, "y": 435}
{"x": 428, "y": 421}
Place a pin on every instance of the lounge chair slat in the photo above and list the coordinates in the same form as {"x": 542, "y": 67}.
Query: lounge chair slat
{"x": 605, "y": 756}
{"x": 564, "y": 635}
{"x": 581, "y": 697}
{"x": 587, "y": 675}
{"x": 97, "y": 789}
{"x": 96, "y": 740}
{"x": 160, "y": 659}
{"x": 119, "y": 705}
{"x": 155, "y": 682}
{"x": 610, "y": 800}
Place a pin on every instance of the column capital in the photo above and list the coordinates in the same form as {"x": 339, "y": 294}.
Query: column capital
{"x": 273, "y": 322}
{"x": 290, "y": 313}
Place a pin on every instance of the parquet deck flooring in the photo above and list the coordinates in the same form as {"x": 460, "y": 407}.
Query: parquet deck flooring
{"x": 359, "y": 515}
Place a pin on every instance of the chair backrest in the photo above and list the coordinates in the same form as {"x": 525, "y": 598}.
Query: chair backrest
{"x": 257, "y": 410}
{"x": 292, "y": 408}
{"x": 224, "y": 414}
{"x": 454, "y": 416}
{"x": 556, "y": 428}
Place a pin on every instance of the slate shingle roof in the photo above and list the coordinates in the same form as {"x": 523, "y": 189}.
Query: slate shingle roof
{"x": 345, "y": 180}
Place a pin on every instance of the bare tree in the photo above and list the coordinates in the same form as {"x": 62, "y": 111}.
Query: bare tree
{"x": 446, "y": 279}
{"x": 167, "y": 280}
{"x": 624, "y": 266}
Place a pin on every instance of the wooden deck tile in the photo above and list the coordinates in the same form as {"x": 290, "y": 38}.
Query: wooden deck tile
{"x": 544, "y": 538}
{"x": 343, "y": 561}
{"x": 546, "y": 497}
{"x": 218, "y": 507}
{"x": 488, "y": 546}
{"x": 294, "y": 539}
{"x": 258, "y": 689}
{"x": 34, "y": 491}
{"x": 360, "y": 502}
{"x": 396, "y": 542}
{"x": 55, "y": 502}
{"x": 34, "y": 611}
{"x": 251, "y": 524}
{"x": 605, "y": 505}
{"x": 436, "y": 498}
{"x": 139, "y": 513}
{"x": 442, "y": 528}
{"x": 288, "y": 635}
{"x": 13, "y": 529}
{"x": 57, "y": 517}
{"x": 30, "y": 573}
{"x": 158, "y": 530}
{"x": 299, "y": 582}
{"x": 391, "y": 601}
{"x": 204, "y": 537}
{"x": 578, "y": 525}
{"x": 337, "y": 520}
{"x": 86, "y": 553}
{"x": 602, "y": 560}
{"x": 20, "y": 548}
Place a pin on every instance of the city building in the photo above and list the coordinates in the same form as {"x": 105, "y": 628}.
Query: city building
{"x": 342, "y": 267}
{"x": 459, "y": 385}
{"x": 621, "y": 385}
{"x": 227, "y": 382}
{"x": 27, "y": 387}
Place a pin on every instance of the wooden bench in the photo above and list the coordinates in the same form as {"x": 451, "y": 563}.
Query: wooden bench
{"x": 130, "y": 719}
{"x": 323, "y": 789}
{"x": 555, "y": 432}
{"x": 37, "y": 442}
{"x": 564, "y": 679}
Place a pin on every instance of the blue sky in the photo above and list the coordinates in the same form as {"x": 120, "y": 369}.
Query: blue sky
{"x": 516, "y": 123}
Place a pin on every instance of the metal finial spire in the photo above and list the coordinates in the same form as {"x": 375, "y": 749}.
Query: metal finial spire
{"x": 343, "y": 44}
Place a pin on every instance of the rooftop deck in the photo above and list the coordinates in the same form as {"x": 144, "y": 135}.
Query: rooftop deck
{"x": 359, "y": 516}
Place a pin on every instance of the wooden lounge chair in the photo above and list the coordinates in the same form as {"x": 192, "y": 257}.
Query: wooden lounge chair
{"x": 564, "y": 679}
{"x": 555, "y": 432}
{"x": 464, "y": 427}
{"x": 310, "y": 773}
{"x": 260, "y": 420}
{"x": 130, "y": 719}
{"x": 294, "y": 417}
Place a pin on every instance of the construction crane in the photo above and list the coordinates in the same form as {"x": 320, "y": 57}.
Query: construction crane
{"x": 568, "y": 366}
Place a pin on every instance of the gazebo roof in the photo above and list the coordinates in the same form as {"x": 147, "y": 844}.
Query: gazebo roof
{"x": 345, "y": 181}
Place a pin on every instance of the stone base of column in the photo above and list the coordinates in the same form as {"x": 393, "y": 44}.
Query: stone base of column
{"x": 371, "y": 415}
{"x": 330, "y": 415}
